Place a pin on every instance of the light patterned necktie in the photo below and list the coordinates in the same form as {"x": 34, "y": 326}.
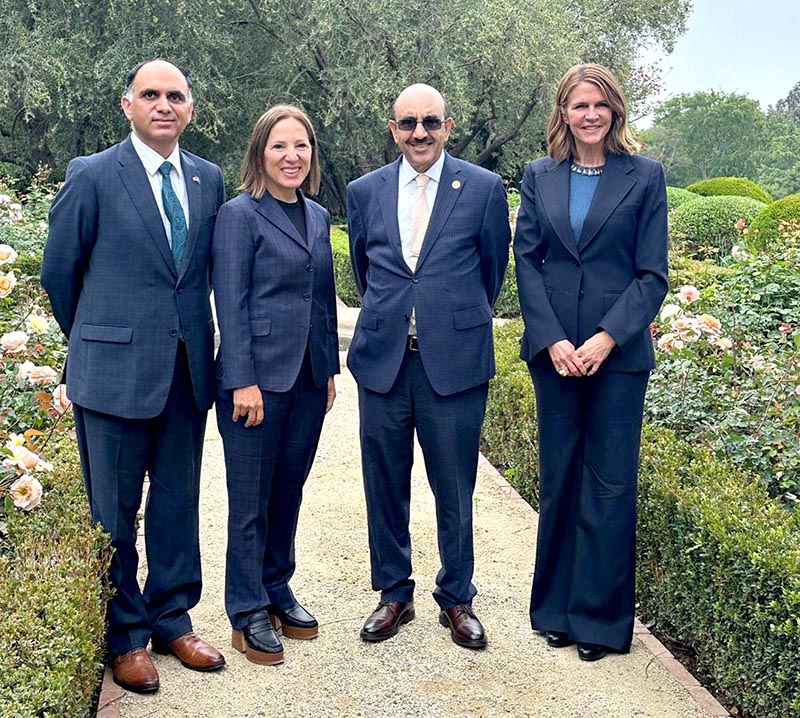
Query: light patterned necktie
{"x": 175, "y": 215}
{"x": 420, "y": 215}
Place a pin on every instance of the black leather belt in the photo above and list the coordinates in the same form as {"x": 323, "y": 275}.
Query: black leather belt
{"x": 413, "y": 343}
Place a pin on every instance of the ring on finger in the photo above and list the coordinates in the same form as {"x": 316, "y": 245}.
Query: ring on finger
{"x": 563, "y": 371}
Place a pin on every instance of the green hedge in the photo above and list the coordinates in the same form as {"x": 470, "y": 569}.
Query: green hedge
{"x": 346, "y": 288}
{"x": 718, "y": 563}
{"x": 731, "y": 186}
{"x": 507, "y": 303}
{"x": 676, "y": 196}
{"x": 52, "y": 600}
{"x": 765, "y": 226}
{"x": 719, "y": 570}
{"x": 706, "y": 226}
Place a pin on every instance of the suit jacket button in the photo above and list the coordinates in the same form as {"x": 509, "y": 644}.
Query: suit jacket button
{"x": 580, "y": 294}
{"x": 306, "y": 297}
{"x": 173, "y": 332}
{"x": 415, "y": 280}
{"x": 309, "y": 268}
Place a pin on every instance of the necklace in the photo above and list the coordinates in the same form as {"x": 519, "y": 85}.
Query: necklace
{"x": 588, "y": 171}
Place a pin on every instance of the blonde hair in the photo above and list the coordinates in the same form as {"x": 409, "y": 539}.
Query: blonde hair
{"x": 252, "y": 174}
{"x": 619, "y": 140}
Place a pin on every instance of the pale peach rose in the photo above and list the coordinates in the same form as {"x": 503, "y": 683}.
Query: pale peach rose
{"x": 670, "y": 342}
{"x": 13, "y": 342}
{"x": 61, "y": 402}
{"x": 7, "y": 284}
{"x": 785, "y": 328}
{"x": 709, "y": 324}
{"x": 688, "y": 294}
{"x": 24, "y": 370}
{"x": 4, "y": 199}
{"x": 42, "y": 226}
{"x": 26, "y": 492}
{"x": 15, "y": 212}
{"x": 38, "y": 324}
{"x": 724, "y": 343}
{"x": 21, "y": 458}
{"x": 738, "y": 252}
{"x": 669, "y": 310}
{"x": 42, "y": 375}
{"x": 7, "y": 254}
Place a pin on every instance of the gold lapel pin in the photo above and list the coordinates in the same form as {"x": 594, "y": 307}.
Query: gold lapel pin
{"x": 456, "y": 184}
{"x": 196, "y": 179}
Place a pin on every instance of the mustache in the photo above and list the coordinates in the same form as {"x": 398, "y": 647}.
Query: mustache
{"x": 426, "y": 141}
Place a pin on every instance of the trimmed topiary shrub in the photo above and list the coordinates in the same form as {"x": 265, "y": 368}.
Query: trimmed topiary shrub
{"x": 706, "y": 226}
{"x": 346, "y": 288}
{"x": 730, "y": 186}
{"x": 676, "y": 196}
{"x": 765, "y": 226}
{"x": 52, "y": 599}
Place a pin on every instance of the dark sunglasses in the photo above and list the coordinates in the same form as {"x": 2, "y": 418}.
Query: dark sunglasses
{"x": 409, "y": 124}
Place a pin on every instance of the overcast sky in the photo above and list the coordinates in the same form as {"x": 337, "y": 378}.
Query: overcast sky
{"x": 743, "y": 46}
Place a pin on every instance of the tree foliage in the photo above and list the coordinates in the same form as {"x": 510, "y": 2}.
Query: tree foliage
{"x": 343, "y": 61}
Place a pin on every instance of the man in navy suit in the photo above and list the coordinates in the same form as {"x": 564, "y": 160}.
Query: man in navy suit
{"x": 429, "y": 238}
{"x": 126, "y": 268}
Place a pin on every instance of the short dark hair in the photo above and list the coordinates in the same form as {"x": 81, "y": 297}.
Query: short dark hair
{"x": 131, "y": 77}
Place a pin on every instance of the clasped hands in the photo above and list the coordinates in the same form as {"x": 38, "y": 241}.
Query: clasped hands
{"x": 586, "y": 359}
{"x": 247, "y": 402}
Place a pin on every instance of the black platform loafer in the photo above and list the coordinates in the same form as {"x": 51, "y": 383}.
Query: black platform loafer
{"x": 258, "y": 640}
{"x": 294, "y": 622}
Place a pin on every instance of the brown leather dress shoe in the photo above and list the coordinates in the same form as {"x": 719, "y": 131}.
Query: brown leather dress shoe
{"x": 134, "y": 671}
{"x": 465, "y": 628}
{"x": 385, "y": 621}
{"x": 192, "y": 651}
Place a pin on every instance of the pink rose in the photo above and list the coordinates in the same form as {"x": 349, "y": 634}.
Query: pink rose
{"x": 26, "y": 492}
{"x": 740, "y": 225}
{"x": 688, "y": 294}
{"x": 13, "y": 342}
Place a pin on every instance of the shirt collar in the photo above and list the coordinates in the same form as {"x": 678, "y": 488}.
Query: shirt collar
{"x": 408, "y": 173}
{"x": 152, "y": 160}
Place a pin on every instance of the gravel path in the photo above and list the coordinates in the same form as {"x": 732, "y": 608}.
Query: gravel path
{"x": 420, "y": 672}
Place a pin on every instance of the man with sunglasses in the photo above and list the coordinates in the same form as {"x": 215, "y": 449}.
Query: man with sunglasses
{"x": 429, "y": 238}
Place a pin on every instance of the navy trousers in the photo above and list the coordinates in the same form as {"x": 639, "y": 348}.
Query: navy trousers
{"x": 266, "y": 467}
{"x": 448, "y": 429}
{"x": 589, "y": 439}
{"x": 115, "y": 454}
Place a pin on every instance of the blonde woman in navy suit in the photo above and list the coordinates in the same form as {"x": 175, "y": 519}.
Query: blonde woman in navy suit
{"x": 276, "y": 307}
{"x": 591, "y": 261}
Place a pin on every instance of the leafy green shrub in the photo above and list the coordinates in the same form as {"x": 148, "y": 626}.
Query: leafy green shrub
{"x": 730, "y": 186}
{"x": 766, "y": 226}
{"x": 718, "y": 569}
{"x": 509, "y": 437}
{"x": 52, "y": 599}
{"x": 676, "y": 196}
{"x": 706, "y": 226}
{"x": 346, "y": 288}
{"x": 507, "y": 304}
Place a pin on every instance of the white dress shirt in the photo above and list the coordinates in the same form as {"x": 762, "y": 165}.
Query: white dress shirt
{"x": 152, "y": 161}
{"x": 407, "y": 189}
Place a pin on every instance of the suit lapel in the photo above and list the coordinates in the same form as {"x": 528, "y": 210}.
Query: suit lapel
{"x": 312, "y": 226}
{"x": 387, "y": 194}
{"x": 451, "y": 185}
{"x": 134, "y": 177}
{"x": 554, "y": 190}
{"x": 194, "y": 195}
{"x": 269, "y": 208}
{"x": 615, "y": 183}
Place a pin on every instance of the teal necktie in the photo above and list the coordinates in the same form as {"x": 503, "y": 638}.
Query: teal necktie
{"x": 174, "y": 212}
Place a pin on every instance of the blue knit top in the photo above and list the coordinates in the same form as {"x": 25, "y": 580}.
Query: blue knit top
{"x": 581, "y": 191}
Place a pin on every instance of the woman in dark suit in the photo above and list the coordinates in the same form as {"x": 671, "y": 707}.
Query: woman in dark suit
{"x": 276, "y": 307}
{"x": 591, "y": 261}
